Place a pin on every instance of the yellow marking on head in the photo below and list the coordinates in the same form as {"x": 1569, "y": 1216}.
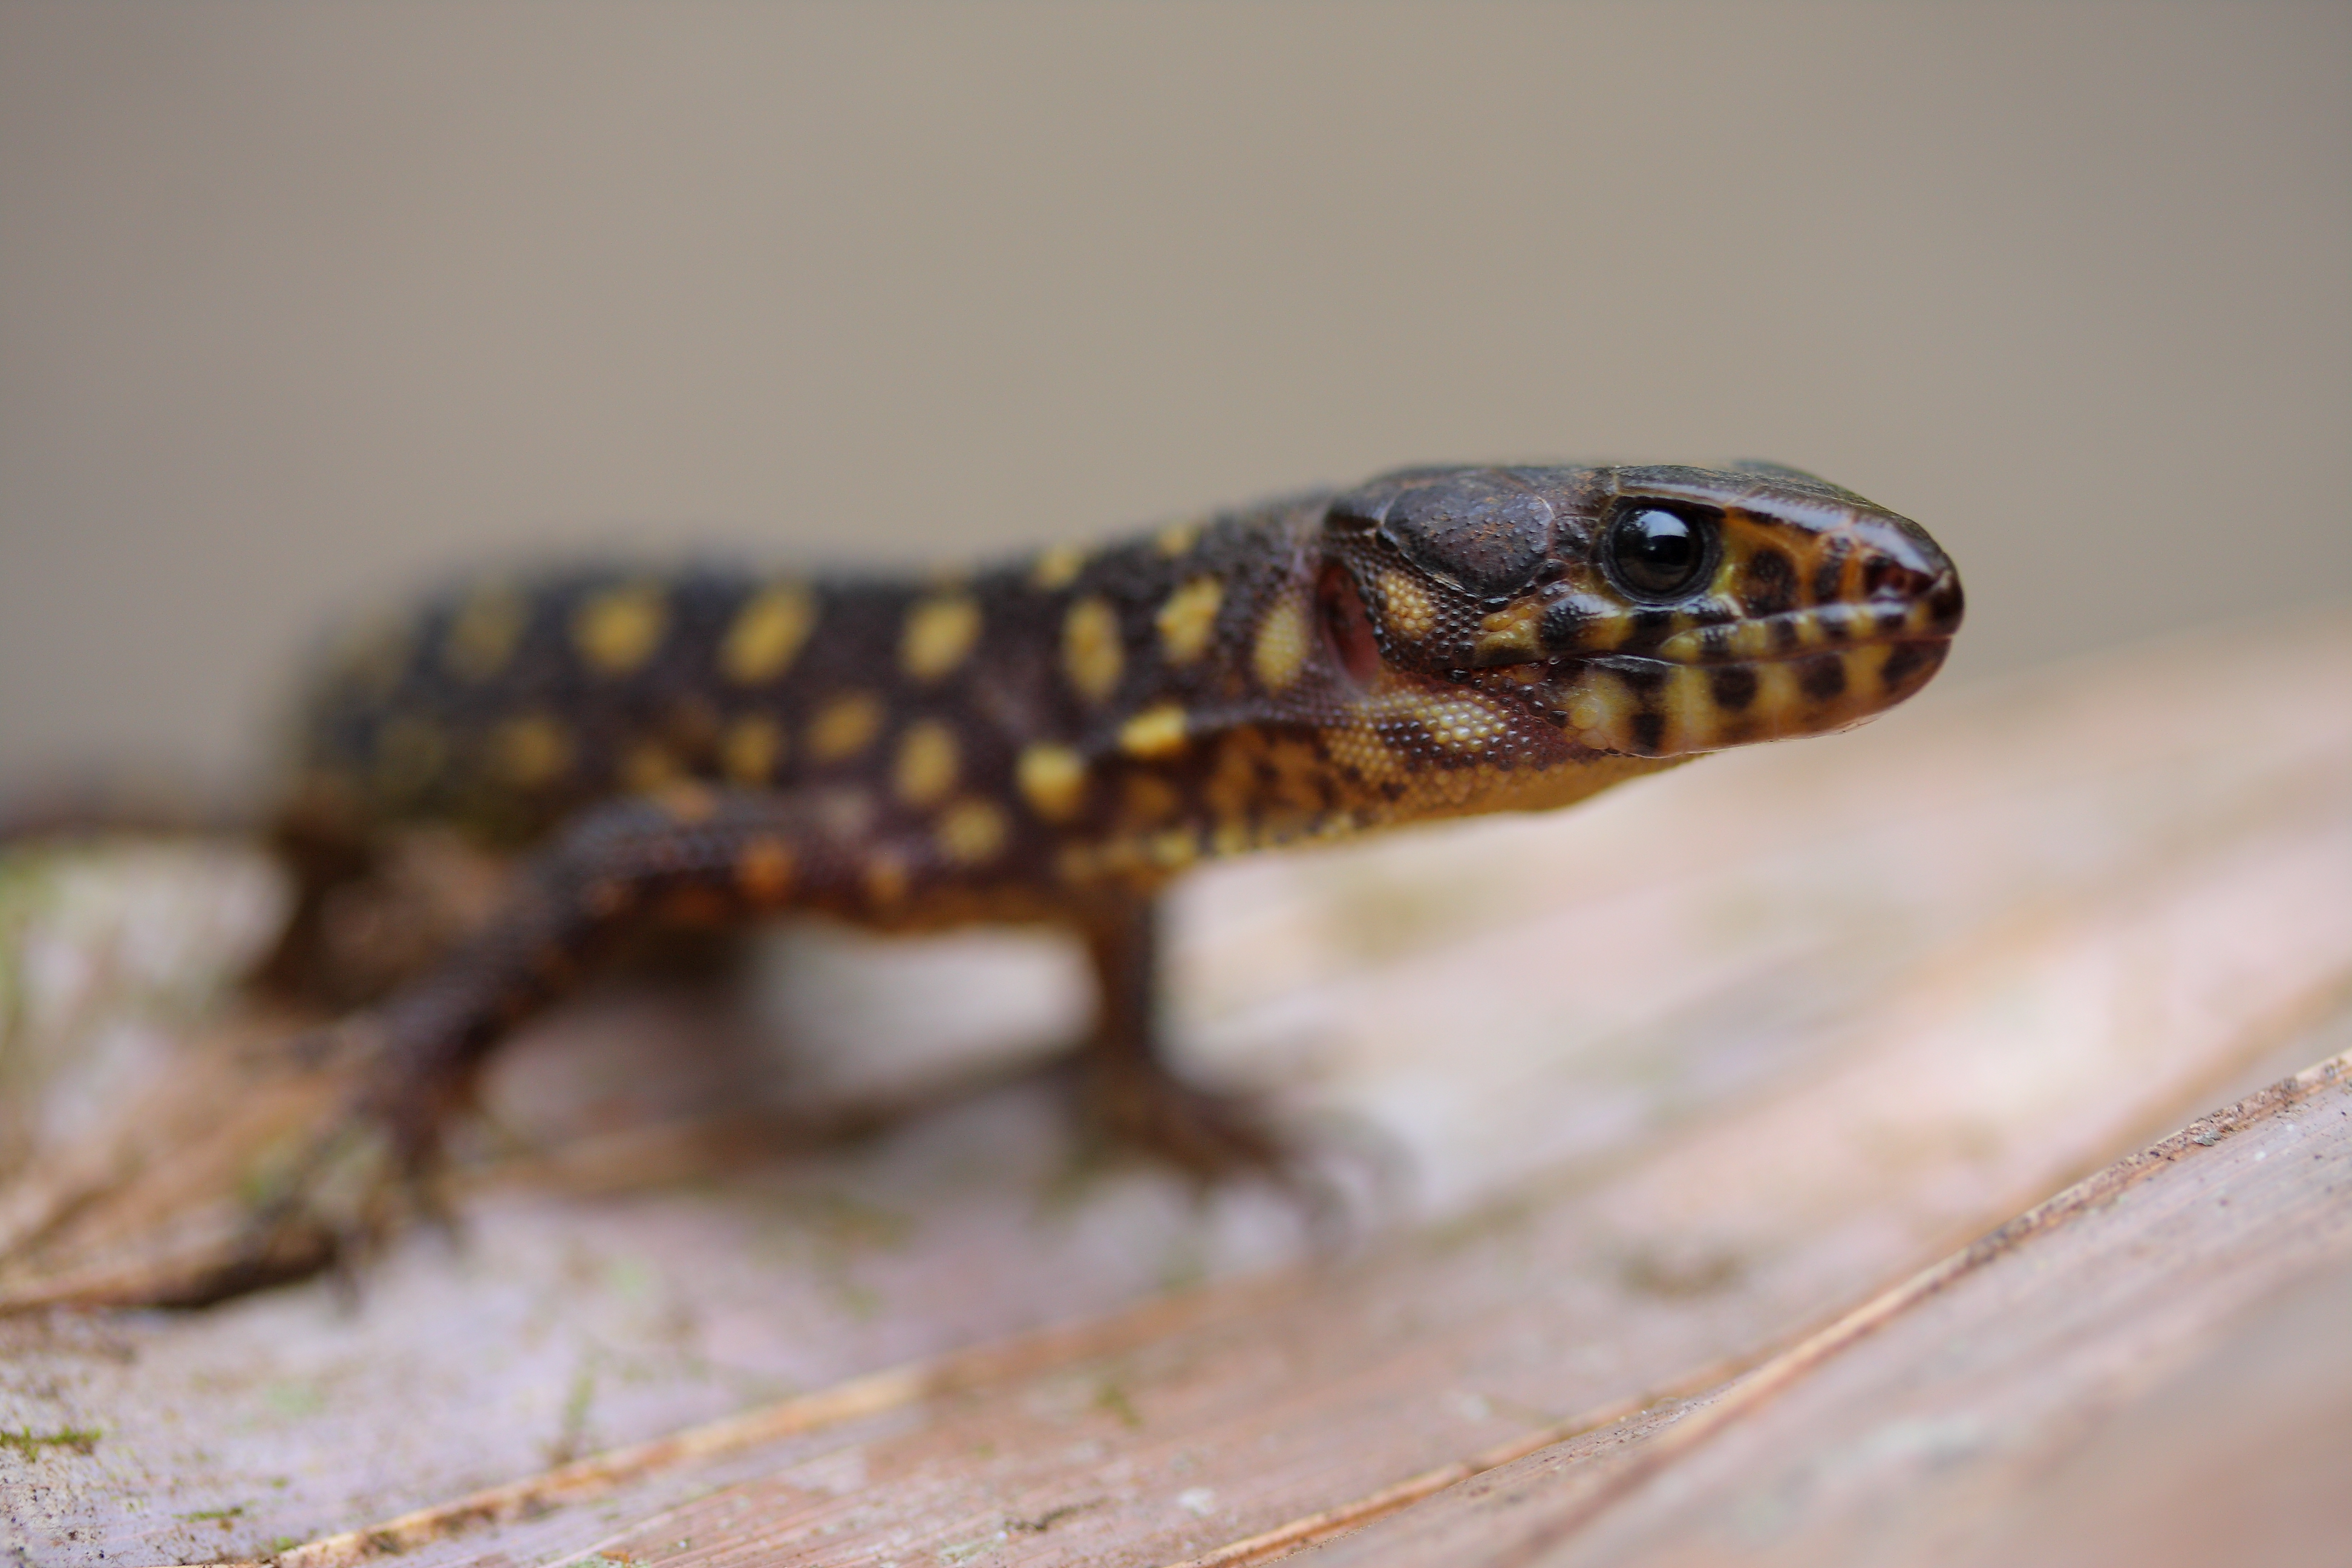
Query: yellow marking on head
{"x": 648, "y": 766}
{"x": 1513, "y": 631}
{"x": 971, "y": 831}
{"x": 927, "y": 764}
{"x": 1188, "y": 619}
{"x": 1091, "y": 655}
{"x": 1599, "y": 711}
{"x": 618, "y": 630}
{"x": 1178, "y": 539}
{"x": 750, "y": 750}
{"x": 483, "y": 636}
{"x": 1689, "y": 706}
{"x": 1057, "y": 568}
{"x": 1157, "y": 731}
{"x": 1280, "y": 652}
{"x": 1462, "y": 723}
{"x": 767, "y": 634}
{"x": 764, "y": 869}
{"x": 1359, "y": 748}
{"x": 531, "y": 750}
{"x": 1405, "y": 606}
{"x": 408, "y": 753}
{"x": 939, "y": 633}
{"x": 1051, "y": 779}
{"x": 844, "y": 727}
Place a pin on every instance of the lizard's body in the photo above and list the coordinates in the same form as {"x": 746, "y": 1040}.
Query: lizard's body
{"x": 1053, "y": 739}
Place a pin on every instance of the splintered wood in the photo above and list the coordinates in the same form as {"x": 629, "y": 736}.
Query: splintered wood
{"x": 1811, "y": 1156}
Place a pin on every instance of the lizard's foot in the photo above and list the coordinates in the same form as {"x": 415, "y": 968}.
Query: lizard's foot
{"x": 1207, "y": 1135}
{"x": 371, "y": 1173}
{"x": 1342, "y": 1177}
{"x": 1336, "y": 1183}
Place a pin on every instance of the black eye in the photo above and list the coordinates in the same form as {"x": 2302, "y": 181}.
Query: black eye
{"x": 1654, "y": 553}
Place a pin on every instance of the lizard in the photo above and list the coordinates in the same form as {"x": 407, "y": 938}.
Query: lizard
{"x": 1053, "y": 739}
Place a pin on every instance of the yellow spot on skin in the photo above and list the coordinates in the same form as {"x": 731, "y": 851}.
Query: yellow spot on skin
{"x": 1691, "y": 712}
{"x": 531, "y": 750}
{"x": 844, "y": 727}
{"x": 1091, "y": 656}
{"x": 939, "y": 632}
{"x": 925, "y": 772}
{"x": 1280, "y": 652}
{"x": 1052, "y": 780}
{"x": 483, "y": 636}
{"x": 1057, "y": 568}
{"x": 1511, "y": 633}
{"x": 1157, "y": 732}
{"x": 1405, "y": 608}
{"x": 767, "y": 634}
{"x": 971, "y": 831}
{"x": 751, "y": 749}
{"x": 617, "y": 630}
{"x": 764, "y": 869}
{"x": 648, "y": 767}
{"x": 408, "y": 753}
{"x": 1462, "y": 724}
{"x": 1188, "y": 619}
{"x": 1178, "y": 539}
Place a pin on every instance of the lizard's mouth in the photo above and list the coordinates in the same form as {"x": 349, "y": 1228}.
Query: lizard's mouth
{"x": 1657, "y": 708}
{"x": 1804, "y": 671}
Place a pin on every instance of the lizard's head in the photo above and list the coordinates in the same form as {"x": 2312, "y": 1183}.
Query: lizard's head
{"x": 1533, "y": 616}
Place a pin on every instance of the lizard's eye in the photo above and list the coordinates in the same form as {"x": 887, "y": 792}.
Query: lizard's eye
{"x": 1657, "y": 552}
{"x": 1346, "y": 627}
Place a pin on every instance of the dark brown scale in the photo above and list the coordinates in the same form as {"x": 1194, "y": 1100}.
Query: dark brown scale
{"x": 1822, "y": 676}
{"x": 1733, "y": 688}
{"x": 1770, "y": 585}
{"x": 1829, "y": 576}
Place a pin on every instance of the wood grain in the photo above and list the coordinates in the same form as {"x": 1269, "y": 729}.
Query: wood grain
{"x": 1683, "y": 1082}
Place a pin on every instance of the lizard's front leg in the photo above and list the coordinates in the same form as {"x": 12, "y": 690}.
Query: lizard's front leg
{"x": 1131, "y": 1095}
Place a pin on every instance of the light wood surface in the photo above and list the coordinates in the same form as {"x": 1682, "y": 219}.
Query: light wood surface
{"x": 1690, "y": 1105}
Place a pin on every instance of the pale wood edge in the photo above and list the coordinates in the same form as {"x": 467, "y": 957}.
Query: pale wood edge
{"x": 1758, "y": 1380}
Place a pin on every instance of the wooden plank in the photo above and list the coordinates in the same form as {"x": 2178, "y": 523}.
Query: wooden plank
{"x": 2151, "y": 1367}
{"x": 1812, "y": 1016}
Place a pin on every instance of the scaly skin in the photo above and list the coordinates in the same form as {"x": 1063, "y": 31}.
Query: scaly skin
{"x": 1053, "y": 739}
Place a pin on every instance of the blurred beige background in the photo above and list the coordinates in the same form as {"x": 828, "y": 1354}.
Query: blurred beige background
{"x": 300, "y": 303}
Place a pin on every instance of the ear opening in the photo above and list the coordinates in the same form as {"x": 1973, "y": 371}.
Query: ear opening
{"x": 1346, "y": 625}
